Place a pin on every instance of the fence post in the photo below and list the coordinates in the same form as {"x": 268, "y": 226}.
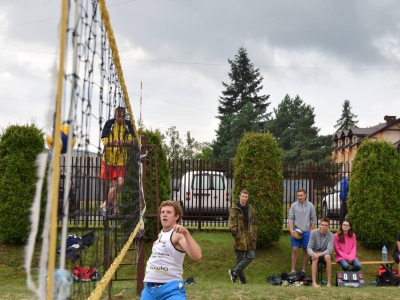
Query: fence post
{"x": 87, "y": 189}
{"x": 157, "y": 194}
{"x": 199, "y": 208}
{"x": 310, "y": 188}
{"x": 140, "y": 265}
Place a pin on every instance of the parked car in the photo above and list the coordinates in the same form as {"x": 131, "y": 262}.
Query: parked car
{"x": 206, "y": 192}
{"x": 73, "y": 205}
{"x": 331, "y": 202}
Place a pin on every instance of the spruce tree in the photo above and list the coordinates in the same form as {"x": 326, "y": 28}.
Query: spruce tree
{"x": 243, "y": 89}
{"x": 293, "y": 127}
{"x": 347, "y": 120}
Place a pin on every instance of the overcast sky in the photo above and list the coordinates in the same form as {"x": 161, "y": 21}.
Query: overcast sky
{"x": 325, "y": 51}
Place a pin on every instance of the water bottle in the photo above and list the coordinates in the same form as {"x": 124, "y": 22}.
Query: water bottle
{"x": 384, "y": 254}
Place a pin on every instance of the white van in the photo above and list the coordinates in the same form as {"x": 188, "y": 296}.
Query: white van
{"x": 203, "y": 193}
{"x": 331, "y": 202}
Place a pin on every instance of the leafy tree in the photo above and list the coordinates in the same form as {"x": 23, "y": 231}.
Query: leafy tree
{"x": 347, "y": 120}
{"x": 189, "y": 148}
{"x": 204, "y": 151}
{"x": 242, "y": 94}
{"x": 258, "y": 169}
{"x": 19, "y": 147}
{"x": 294, "y": 130}
{"x": 374, "y": 194}
{"x": 173, "y": 150}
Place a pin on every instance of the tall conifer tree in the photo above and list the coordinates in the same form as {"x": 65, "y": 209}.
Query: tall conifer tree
{"x": 293, "y": 127}
{"x": 241, "y": 107}
{"x": 347, "y": 120}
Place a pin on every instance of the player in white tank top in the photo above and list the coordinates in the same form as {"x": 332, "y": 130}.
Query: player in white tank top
{"x": 164, "y": 268}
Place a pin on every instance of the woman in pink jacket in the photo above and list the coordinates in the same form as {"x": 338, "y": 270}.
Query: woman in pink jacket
{"x": 345, "y": 247}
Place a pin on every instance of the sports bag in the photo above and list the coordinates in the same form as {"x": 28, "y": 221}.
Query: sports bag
{"x": 85, "y": 274}
{"x": 387, "y": 278}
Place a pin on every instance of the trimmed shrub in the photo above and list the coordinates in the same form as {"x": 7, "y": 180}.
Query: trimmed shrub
{"x": 164, "y": 189}
{"x": 374, "y": 194}
{"x": 19, "y": 147}
{"x": 258, "y": 169}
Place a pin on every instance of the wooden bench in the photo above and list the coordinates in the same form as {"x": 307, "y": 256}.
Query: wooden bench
{"x": 321, "y": 267}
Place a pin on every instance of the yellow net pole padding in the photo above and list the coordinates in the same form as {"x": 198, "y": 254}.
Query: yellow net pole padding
{"x": 56, "y": 152}
{"x": 96, "y": 293}
{"x": 114, "y": 51}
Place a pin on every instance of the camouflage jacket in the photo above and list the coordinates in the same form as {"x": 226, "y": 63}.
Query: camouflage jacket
{"x": 243, "y": 239}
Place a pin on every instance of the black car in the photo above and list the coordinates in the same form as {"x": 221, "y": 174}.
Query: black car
{"x": 73, "y": 205}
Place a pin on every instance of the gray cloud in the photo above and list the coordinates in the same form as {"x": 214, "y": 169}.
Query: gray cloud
{"x": 179, "y": 50}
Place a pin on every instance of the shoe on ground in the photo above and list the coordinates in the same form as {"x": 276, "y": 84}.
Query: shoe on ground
{"x": 190, "y": 280}
{"x": 302, "y": 274}
{"x": 232, "y": 275}
{"x": 292, "y": 273}
{"x": 242, "y": 280}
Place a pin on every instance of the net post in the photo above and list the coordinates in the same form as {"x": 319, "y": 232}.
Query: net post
{"x": 140, "y": 265}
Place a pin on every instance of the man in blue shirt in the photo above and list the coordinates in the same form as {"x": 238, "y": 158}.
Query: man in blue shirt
{"x": 344, "y": 194}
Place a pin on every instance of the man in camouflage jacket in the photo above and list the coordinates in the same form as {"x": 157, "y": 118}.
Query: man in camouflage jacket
{"x": 243, "y": 226}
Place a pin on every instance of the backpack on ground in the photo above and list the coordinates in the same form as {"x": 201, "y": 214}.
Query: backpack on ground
{"x": 274, "y": 279}
{"x": 386, "y": 277}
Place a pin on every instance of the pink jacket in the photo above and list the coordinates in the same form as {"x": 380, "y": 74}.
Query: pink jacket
{"x": 346, "y": 251}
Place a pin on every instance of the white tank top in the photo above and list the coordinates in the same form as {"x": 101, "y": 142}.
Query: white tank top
{"x": 166, "y": 262}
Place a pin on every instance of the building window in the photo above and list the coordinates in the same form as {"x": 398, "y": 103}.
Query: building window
{"x": 339, "y": 143}
{"x": 347, "y": 141}
{"x": 354, "y": 139}
{"x": 374, "y": 139}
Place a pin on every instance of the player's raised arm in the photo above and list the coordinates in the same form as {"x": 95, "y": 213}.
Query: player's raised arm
{"x": 188, "y": 244}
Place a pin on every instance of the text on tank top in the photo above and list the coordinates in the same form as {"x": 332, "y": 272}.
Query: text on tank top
{"x": 166, "y": 262}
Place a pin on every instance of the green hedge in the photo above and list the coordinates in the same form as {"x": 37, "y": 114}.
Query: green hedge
{"x": 19, "y": 147}
{"x": 164, "y": 188}
{"x": 374, "y": 193}
{"x": 258, "y": 169}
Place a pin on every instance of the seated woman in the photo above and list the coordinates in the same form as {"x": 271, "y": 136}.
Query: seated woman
{"x": 344, "y": 243}
{"x": 396, "y": 251}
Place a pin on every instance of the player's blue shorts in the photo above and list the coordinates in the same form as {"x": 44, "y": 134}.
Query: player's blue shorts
{"x": 303, "y": 242}
{"x": 170, "y": 290}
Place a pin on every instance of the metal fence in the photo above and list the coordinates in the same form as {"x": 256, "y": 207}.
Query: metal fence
{"x": 205, "y": 190}
{"x": 86, "y": 193}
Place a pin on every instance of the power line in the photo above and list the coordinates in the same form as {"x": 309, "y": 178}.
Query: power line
{"x": 191, "y": 113}
{"x": 13, "y": 65}
{"x": 29, "y": 51}
{"x": 29, "y": 23}
{"x": 163, "y": 101}
{"x": 52, "y": 19}
{"x": 268, "y": 67}
{"x": 174, "y": 62}
{"x": 214, "y": 64}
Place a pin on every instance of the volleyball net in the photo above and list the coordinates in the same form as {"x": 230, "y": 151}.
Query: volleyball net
{"x": 93, "y": 217}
